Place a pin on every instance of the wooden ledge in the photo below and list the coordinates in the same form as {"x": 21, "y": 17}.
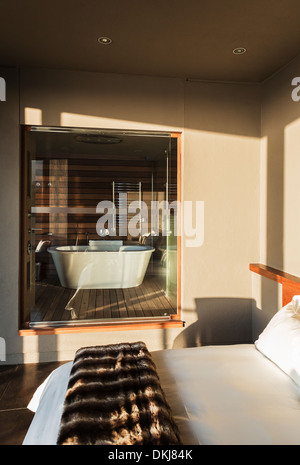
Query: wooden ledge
{"x": 272, "y": 273}
{"x": 134, "y": 326}
{"x": 290, "y": 283}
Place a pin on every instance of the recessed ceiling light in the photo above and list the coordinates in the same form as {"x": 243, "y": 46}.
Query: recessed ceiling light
{"x": 104, "y": 40}
{"x": 239, "y": 51}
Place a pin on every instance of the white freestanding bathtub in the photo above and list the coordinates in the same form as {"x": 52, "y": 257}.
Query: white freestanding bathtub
{"x": 106, "y": 265}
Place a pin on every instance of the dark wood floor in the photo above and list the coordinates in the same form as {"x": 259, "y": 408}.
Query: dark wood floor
{"x": 55, "y": 303}
{"x": 17, "y": 385}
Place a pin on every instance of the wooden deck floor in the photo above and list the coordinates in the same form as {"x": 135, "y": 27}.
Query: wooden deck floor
{"x": 56, "y": 303}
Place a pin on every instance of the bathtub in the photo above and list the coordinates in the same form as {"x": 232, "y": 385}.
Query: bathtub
{"x": 101, "y": 266}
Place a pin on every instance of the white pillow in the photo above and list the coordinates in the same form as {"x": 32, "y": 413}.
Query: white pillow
{"x": 280, "y": 341}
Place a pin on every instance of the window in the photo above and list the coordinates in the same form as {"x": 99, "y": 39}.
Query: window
{"x": 100, "y": 241}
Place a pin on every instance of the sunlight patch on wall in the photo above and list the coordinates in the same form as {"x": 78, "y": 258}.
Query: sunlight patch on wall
{"x": 33, "y": 116}
{"x": 86, "y": 121}
{"x": 31, "y": 349}
{"x": 89, "y": 121}
{"x": 223, "y": 170}
{"x": 263, "y": 199}
{"x": 291, "y": 197}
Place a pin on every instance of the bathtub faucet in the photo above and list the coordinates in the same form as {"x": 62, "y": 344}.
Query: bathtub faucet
{"x": 87, "y": 237}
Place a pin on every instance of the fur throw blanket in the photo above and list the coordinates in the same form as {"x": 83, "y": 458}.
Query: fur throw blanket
{"x": 114, "y": 397}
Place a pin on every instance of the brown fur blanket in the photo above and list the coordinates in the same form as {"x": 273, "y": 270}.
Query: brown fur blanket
{"x": 114, "y": 397}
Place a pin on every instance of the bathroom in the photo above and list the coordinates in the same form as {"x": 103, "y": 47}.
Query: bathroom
{"x": 97, "y": 246}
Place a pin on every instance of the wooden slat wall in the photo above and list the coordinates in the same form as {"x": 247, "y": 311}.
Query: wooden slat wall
{"x": 83, "y": 183}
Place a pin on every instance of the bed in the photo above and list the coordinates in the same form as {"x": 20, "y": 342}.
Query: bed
{"x": 246, "y": 394}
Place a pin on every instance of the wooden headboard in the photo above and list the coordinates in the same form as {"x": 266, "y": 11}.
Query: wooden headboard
{"x": 290, "y": 283}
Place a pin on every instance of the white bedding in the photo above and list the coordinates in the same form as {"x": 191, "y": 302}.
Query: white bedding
{"x": 218, "y": 395}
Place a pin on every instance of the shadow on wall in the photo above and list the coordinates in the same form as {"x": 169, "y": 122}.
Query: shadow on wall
{"x": 220, "y": 321}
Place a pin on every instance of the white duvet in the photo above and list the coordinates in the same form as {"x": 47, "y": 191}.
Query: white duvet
{"x": 218, "y": 395}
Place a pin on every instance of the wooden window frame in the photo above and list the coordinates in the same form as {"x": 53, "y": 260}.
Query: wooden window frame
{"x": 174, "y": 321}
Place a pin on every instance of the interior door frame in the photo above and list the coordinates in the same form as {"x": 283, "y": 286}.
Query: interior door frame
{"x": 178, "y": 136}
{"x": 27, "y": 272}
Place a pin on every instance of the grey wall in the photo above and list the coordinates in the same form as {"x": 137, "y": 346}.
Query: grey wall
{"x": 9, "y": 208}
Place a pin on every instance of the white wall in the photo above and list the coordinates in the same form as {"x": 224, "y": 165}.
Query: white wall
{"x": 280, "y": 193}
{"x": 281, "y": 128}
{"x": 221, "y": 166}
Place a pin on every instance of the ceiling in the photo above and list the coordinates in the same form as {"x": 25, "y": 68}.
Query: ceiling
{"x": 172, "y": 38}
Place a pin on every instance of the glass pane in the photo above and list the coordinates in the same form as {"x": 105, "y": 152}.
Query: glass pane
{"x": 103, "y": 238}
